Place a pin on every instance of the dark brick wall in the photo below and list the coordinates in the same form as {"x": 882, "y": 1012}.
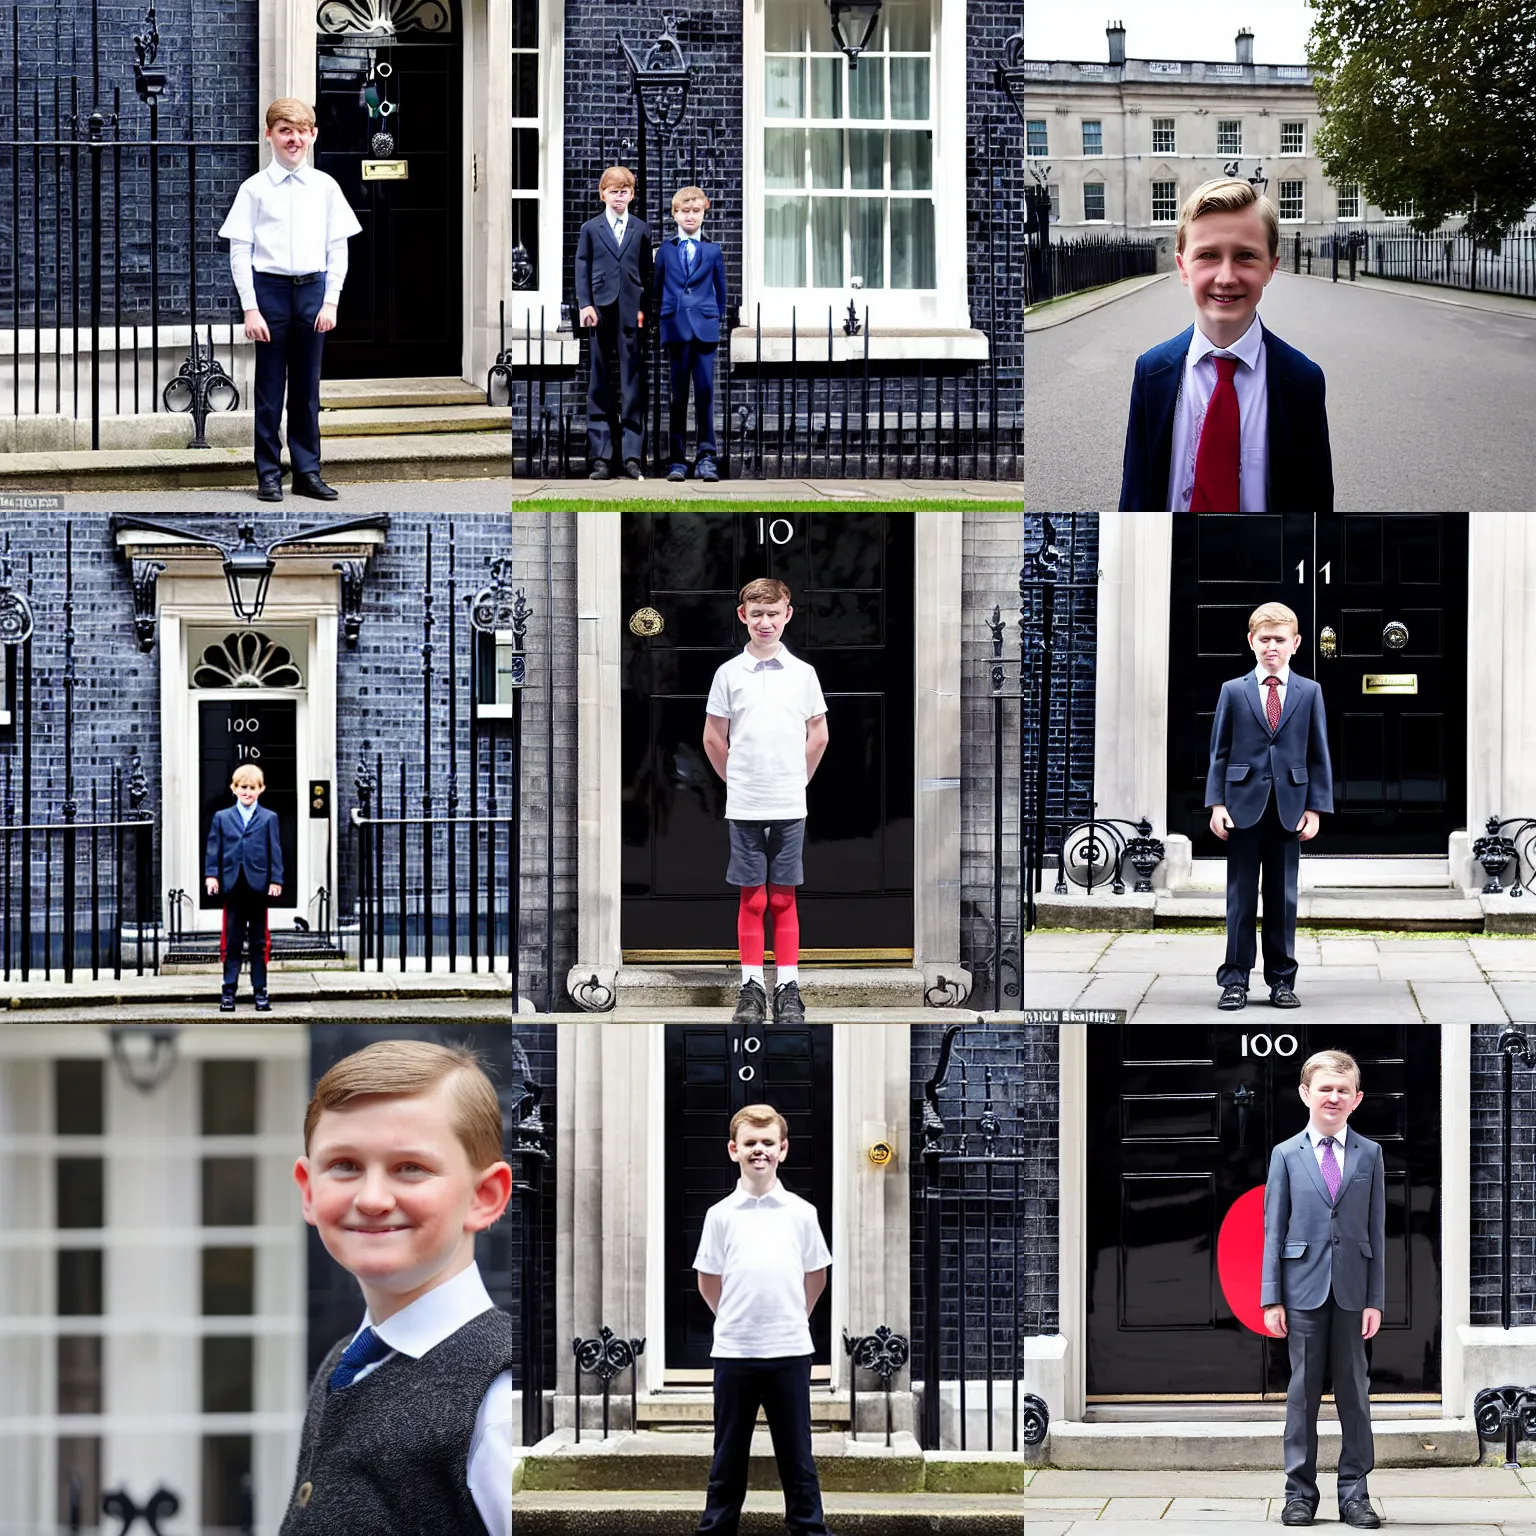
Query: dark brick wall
{"x": 1488, "y": 1182}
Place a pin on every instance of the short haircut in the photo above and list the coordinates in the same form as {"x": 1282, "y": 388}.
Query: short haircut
{"x": 616, "y": 176}
{"x": 399, "y": 1068}
{"x": 766, "y": 589}
{"x": 690, "y": 194}
{"x": 1227, "y": 194}
{"x": 1328, "y": 1061}
{"x": 760, "y": 1114}
{"x": 1272, "y": 613}
{"x": 249, "y": 773}
{"x": 289, "y": 109}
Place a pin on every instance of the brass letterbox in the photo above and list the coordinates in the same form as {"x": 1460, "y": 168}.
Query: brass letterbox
{"x": 1390, "y": 682}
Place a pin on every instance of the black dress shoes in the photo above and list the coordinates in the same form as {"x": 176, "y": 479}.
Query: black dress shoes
{"x": 1297, "y": 1512}
{"x": 1281, "y": 996}
{"x": 1358, "y": 1513}
{"x": 313, "y": 487}
{"x": 269, "y": 488}
{"x": 1234, "y": 996}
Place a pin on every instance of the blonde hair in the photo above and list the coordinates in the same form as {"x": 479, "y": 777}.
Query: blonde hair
{"x": 1272, "y": 613}
{"x": 766, "y": 589}
{"x": 289, "y": 109}
{"x": 1335, "y": 1061}
{"x": 616, "y": 176}
{"x": 1226, "y": 194}
{"x": 760, "y": 1114}
{"x": 248, "y": 773}
{"x": 690, "y": 194}
{"x": 399, "y": 1068}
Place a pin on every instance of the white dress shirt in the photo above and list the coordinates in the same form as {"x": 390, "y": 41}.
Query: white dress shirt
{"x": 422, "y": 1326}
{"x": 1284, "y": 674}
{"x": 246, "y": 812}
{"x": 617, "y": 225}
{"x": 289, "y": 223}
{"x": 1338, "y": 1147}
{"x": 1195, "y": 391}
{"x": 762, "y": 1247}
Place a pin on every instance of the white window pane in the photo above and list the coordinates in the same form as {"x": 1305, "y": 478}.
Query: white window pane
{"x": 866, "y": 91}
{"x": 912, "y": 160}
{"x": 866, "y": 158}
{"x": 784, "y": 241}
{"x": 784, "y": 26}
{"x": 784, "y": 156}
{"x": 912, "y": 244}
{"x": 784, "y": 87}
{"x": 827, "y": 158}
{"x": 909, "y": 89}
{"x": 827, "y": 87}
{"x": 827, "y": 242}
{"x": 908, "y": 26}
{"x": 866, "y": 240}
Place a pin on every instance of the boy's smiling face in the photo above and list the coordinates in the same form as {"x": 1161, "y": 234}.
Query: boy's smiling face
{"x": 688, "y": 216}
{"x": 1274, "y": 645}
{"x": 290, "y": 143}
{"x": 1331, "y": 1098}
{"x": 757, "y": 1151}
{"x": 765, "y": 623}
{"x": 388, "y": 1185}
{"x": 1226, "y": 265}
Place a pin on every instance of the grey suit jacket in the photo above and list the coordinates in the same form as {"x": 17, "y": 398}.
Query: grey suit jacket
{"x": 1312, "y": 1244}
{"x": 1246, "y": 759}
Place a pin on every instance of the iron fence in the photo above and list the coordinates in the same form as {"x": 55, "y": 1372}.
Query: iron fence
{"x": 1070, "y": 266}
{"x": 1448, "y": 258}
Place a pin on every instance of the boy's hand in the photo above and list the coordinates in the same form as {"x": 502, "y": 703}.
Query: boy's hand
{"x": 1307, "y": 826}
{"x": 274, "y": 890}
{"x": 211, "y": 886}
{"x": 588, "y": 315}
{"x": 326, "y": 319}
{"x": 1221, "y": 823}
{"x": 256, "y": 327}
{"x": 1274, "y": 1320}
{"x": 640, "y": 317}
{"x": 1370, "y": 1319}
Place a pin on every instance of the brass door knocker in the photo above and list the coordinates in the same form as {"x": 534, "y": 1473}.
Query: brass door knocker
{"x": 646, "y": 623}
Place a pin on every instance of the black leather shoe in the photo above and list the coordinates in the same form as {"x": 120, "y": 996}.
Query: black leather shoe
{"x": 601, "y": 470}
{"x": 706, "y": 470}
{"x": 1297, "y": 1512}
{"x": 227, "y": 1003}
{"x": 1281, "y": 996}
{"x": 1358, "y": 1513}
{"x": 632, "y": 469}
{"x": 313, "y": 487}
{"x": 678, "y": 473}
{"x": 1233, "y": 997}
{"x": 788, "y": 1006}
{"x": 263, "y": 1003}
{"x": 269, "y": 488}
{"x": 751, "y": 1004}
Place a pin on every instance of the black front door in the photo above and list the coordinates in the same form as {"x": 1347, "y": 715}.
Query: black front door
{"x": 389, "y": 111}
{"x": 1181, "y": 1122}
{"x": 262, "y": 732}
{"x": 1359, "y": 585}
{"x": 851, "y": 576}
{"x": 712, "y": 1071}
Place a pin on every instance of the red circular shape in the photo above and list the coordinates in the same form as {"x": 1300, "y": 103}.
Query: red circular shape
{"x": 1240, "y": 1258}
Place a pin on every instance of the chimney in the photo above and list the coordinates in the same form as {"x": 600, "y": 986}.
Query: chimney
{"x": 1115, "y": 31}
{"x": 1245, "y": 46}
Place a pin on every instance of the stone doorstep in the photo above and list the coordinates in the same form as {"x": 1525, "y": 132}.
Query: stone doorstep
{"x": 716, "y": 986}
{"x": 382, "y": 394}
{"x": 692, "y": 1408}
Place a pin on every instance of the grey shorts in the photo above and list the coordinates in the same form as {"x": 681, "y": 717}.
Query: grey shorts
{"x": 766, "y": 853}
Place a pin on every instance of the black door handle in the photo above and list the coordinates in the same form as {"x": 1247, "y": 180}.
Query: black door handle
{"x": 1242, "y": 1096}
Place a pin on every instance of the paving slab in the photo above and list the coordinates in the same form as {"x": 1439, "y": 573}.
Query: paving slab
{"x": 1432, "y": 965}
{"x": 1503, "y": 954}
{"x": 1444, "y": 1002}
{"x": 1346, "y": 951}
{"x": 1517, "y": 997}
{"x": 1053, "y": 989}
{"x": 1239, "y": 1527}
{"x": 1225, "y": 1510}
{"x": 1128, "y": 1509}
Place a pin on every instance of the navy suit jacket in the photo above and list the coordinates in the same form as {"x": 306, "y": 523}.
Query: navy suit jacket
{"x": 1246, "y": 759}
{"x": 608, "y": 273}
{"x": 692, "y": 303}
{"x": 235, "y": 848}
{"x": 1300, "y": 460}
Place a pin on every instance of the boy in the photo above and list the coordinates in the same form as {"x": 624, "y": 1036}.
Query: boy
{"x": 244, "y": 862}
{"x": 1324, "y": 1282}
{"x": 1226, "y": 417}
{"x": 762, "y": 1266}
{"x": 691, "y": 275}
{"x": 409, "y": 1424}
{"x": 613, "y": 287}
{"x": 764, "y": 733}
{"x": 1270, "y": 729}
{"x": 288, "y": 233}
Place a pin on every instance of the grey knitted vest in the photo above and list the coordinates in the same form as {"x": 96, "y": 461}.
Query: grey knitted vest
{"x": 389, "y": 1455}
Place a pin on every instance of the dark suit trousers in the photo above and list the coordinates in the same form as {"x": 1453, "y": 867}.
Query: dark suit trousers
{"x": 1273, "y": 850}
{"x": 609, "y": 337}
{"x": 245, "y": 927}
{"x": 693, "y": 360}
{"x": 291, "y": 358}
{"x": 1327, "y": 1335}
{"x": 783, "y": 1389}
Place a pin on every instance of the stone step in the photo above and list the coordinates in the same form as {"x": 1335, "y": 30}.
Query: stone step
{"x": 393, "y": 420}
{"x": 383, "y": 394}
{"x": 716, "y": 986}
{"x": 692, "y": 1408}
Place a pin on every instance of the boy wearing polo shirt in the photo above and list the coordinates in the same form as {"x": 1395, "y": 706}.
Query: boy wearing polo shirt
{"x": 765, "y": 733}
{"x": 762, "y": 1266}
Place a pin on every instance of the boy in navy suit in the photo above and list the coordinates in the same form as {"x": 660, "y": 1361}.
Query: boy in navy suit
{"x": 244, "y": 862}
{"x": 1269, "y": 762}
{"x": 613, "y": 286}
{"x": 1324, "y": 1283}
{"x": 1226, "y": 417}
{"x": 690, "y": 272}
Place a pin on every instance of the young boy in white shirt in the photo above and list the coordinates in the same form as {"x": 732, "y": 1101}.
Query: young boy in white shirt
{"x": 762, "y": 1266}
{"x": 765, "y": 734}
{"x": 288, "y": 230}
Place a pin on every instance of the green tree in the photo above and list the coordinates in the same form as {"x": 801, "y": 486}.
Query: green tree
{"x": 1433, "y": 101}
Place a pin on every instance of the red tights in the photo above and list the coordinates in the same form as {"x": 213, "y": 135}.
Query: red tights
{"x": 780, "y": 900}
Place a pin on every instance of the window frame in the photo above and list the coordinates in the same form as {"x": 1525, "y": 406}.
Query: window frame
{"x": 1228, "y": 122}
{"x": 1043, "y": 153}
{"x": 1299, "y": 183}
{"x": 548, "y": 288}
{"x": 1172, "y": 219}
{"x": 1353, "y": 186}
{"x": 1086, "y": 124}
{"x": 1295, "y": 123}
{"x": 1103, "y": 217}
{"x": 1171, "y": 148}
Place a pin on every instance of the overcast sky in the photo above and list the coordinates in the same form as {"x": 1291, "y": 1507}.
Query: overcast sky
{"x": 1167, "y": 29}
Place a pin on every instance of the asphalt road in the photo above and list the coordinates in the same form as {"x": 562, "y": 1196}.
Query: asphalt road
{"x": 1429, "y": 404}
{"x": 357, "y": 499}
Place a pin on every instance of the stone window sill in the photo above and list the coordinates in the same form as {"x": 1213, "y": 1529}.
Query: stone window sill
{"x": 947, "y": 346}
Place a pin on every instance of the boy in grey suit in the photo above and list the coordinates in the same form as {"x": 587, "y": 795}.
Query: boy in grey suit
{"x": 1270, "y": 730}
{"x": 1324, "y": 1284}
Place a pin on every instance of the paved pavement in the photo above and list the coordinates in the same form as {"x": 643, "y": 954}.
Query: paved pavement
{"x": 1167, "y": 977}
{"x": 1427, "y": 400}
{"x": 600, "y": 493}
{"x": 356, "y": 500}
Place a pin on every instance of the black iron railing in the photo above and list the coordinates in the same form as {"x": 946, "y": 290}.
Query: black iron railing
{"x": 1448, "y": 258}
{"x": 530, "y": 1156}
{"x": 1088, "y": 262}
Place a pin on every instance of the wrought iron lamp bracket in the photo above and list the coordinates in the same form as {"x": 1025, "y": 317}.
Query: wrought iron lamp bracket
{"x": 1507, "y": 1410}
{"x": 1008, "y": 76}
{"x": 146, "y": 576}
{"x": 882, "y": 1352}
{"x": 1496, "y": 849}
{"x": 351, "y": 599}
{"x": 662, "y": 78}
{"x": 155, "y": 1069}
{"x": 200, "y": 386}
{"x": 161, "y": 1505}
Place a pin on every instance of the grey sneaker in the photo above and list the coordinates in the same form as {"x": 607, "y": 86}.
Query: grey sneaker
{"x": 787, "y": 1005}
{"x": 751, "y": 1004}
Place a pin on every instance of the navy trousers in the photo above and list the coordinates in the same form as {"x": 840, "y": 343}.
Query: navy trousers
{"x": 782, "y": 1388}
{"x": 1270, "y": 853}
{"x": 291, "y": 361}
{"x": 695, "y": 361}
{"x": 611, "y": 337}
{"x": 245, "y": 927}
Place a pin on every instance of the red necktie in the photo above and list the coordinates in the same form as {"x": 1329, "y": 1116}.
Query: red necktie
{"x": 1272, "y": 704}
{"x": 1216, "y": 460}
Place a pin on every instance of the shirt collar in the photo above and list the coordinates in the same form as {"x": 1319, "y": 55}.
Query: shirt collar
{"x": 616, "y": 218}
{"x": 277, "y": 174}
{"x": 757, "y": 663}
{"x": 246, "y": 811}
{"x": 1284, "y": 674}
{"x": 432, "y": 1318}
{"x": 1245, "y": 347}
{"x": 1316, "y": 1135}
{"x": 774, "y": 1196}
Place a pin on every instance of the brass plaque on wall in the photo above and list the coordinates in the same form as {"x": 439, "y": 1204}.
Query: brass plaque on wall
{"x": 386, "y": 170}
{"x": 1390, "y": 682}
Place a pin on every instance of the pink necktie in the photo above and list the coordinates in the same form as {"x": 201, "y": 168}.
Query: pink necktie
{"x": 1331, "y": 1175}
{"x": 1272, "y": 703}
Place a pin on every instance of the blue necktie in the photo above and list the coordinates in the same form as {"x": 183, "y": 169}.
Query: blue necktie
{"x": 365, "y": 1350}
{"x": 688, "y": 254}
